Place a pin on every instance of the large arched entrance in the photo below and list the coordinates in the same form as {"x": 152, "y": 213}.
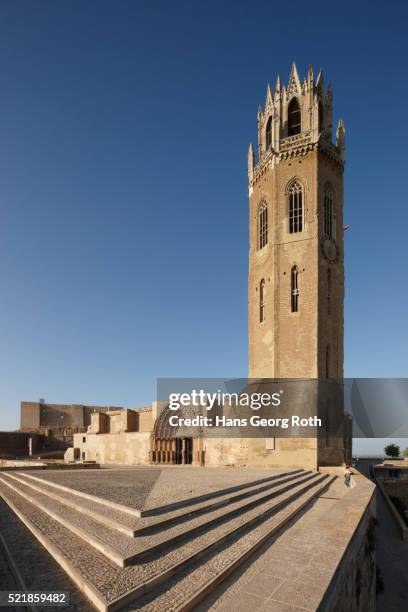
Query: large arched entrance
{"x": 172, "y": 444}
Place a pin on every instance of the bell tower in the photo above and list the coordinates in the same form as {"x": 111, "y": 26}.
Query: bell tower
{"x": 296, "y": 269}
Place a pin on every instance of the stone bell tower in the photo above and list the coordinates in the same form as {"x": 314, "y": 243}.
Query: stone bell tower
{"x": 296, "y": 270}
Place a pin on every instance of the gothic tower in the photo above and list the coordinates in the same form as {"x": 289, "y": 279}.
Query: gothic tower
{"x": 296, "y": 270}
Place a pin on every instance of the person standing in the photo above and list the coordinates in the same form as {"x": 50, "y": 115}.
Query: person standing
{"x": 347, "y": 476}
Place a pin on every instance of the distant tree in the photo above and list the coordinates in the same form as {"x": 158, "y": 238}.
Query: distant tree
{"x": 406, "y": 452}
{"x": 392, "y": 450}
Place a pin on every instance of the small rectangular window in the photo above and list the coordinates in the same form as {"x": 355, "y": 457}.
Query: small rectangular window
{"x": 261, "y": 301}
{"x": 269, "y": 444}
{"x": 294, "y": 293}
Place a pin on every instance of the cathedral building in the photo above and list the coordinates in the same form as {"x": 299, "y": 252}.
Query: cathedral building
{"x": 295, "y": 290}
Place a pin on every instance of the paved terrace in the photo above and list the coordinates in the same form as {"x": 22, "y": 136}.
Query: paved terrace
{"x": 147, "y": 488}
{"x": 196, "y": 527}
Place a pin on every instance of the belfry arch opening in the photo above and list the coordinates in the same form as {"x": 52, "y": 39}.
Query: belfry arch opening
{"x": 294, "y": 118}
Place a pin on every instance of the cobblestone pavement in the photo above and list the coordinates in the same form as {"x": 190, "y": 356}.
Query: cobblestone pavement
{"x": 38, "y": 570}
{"x": 110, "y": 580}
{"x": 7, "y": 581}
{"x": 148, "y": 487}
{"x": 130, "y": 487}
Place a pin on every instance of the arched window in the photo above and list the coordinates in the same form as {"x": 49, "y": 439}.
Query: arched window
{"x": 320, "y": 118}
{"x": 294, "y": 118}
{"x": 328, "y": 291}
{"x": 329, "y": 216}
{"x": 262, "y": 301}
{"x": 262, "y": 225}
{"x": 328, "y": 361}
{"x": 295, "y": 208}
{"x": 294, "y": 290}
{"x": 268, "y": 134}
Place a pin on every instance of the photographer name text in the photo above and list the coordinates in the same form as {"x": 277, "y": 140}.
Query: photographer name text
{"x": 254, "y": 421}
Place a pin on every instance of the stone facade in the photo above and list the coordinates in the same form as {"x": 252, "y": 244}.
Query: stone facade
{"x": 288, "y": 344}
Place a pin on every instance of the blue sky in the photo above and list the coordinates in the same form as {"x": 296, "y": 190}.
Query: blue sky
{"x": 124, "y": 129}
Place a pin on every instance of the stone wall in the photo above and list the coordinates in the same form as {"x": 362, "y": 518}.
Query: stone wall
{"x": 350, "y": 526}
{"x": 35, "y": 415}
{"x": 261, "y": 452}
{"x": 130, "y": 448}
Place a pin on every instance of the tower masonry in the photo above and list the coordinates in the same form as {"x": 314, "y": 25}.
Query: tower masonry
{"x": 296, "y": 254}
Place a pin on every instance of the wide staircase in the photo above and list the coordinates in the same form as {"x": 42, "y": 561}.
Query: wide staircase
{"x": 168, "y": 558}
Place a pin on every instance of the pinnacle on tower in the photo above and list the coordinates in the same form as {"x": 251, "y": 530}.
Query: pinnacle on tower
{"x": 330, "y": 91}
{"x": 294, "y": 82}
{"x": 319, "y": 80}
{"x": 269, "y": 97}
{"x": 278, "y": 85}
{"x": 341, "y": 137}
{"x": 340, "y": 128}
{"x": 251, "y": 162}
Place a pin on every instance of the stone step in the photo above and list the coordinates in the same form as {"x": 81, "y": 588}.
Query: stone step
{"x": 194, "y": 583}
{"x": 110, "y": 587}
{"x": 124, "y": 550}
{"x": 132, "y": 526}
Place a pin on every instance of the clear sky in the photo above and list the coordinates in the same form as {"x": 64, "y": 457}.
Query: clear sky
{"x": 124, "y": 129}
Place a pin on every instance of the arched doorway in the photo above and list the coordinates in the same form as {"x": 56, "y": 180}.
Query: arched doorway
{"x": 171, "y": 444}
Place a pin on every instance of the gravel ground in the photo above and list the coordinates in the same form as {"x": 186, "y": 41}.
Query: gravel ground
{"x": 127, "y": 546}
{"x": 110, "y": 580}
{"x": 39, "y": 571}
{"x": 150, "y": 487}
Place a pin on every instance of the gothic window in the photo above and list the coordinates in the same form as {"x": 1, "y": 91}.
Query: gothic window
{"x": 328, "y": 291}
{"x": 327, "y": 361}
{"x": 262, "y": 225}
{"x": 269, "y": 134}
{"x": 294, "y": 118}
{"x": 320, "y": 118}
{"x": 294, "y": 291}
{"x": 262, "y": 301}
{"x": 329, "y": 217}
{"x": 295, "y": 208}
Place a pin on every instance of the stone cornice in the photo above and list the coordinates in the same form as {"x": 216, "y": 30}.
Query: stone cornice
{"x": 295, "y": 146}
